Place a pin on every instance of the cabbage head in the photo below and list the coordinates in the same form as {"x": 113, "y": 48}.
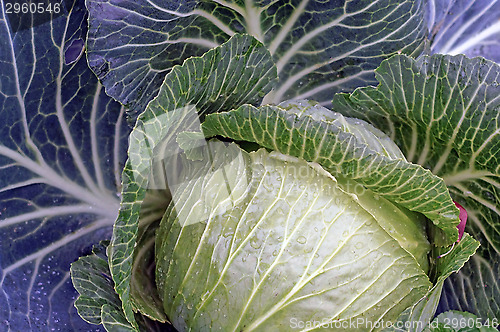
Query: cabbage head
{"x": 264, "y": 241}
{"x": 237, "y": 216}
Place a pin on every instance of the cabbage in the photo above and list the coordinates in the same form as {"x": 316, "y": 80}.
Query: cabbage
{"x": 242, "y": 216}
{"x": 266, "y": 238}
{"x": 63, "y": 139}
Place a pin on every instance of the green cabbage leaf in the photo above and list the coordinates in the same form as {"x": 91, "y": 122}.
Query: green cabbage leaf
{"x": 443, "y": 111}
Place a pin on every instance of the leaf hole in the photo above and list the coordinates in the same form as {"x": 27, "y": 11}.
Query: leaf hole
{"x": 74, "y": 51}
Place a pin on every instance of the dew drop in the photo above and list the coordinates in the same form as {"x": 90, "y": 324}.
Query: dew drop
{"x": 255, "y": 243}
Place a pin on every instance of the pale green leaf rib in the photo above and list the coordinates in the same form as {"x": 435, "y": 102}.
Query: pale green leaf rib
{"x": 68, "y": 137}
{"x": 46, "y": 212}
{"x": 234, "y": 250}
{"x": 292, "y": 80}
{"x": 117, "y": 168}
{"x": 20, "y": 96}
{"x": 257, "y": 287}
{"x": 94, "y": 140}
{"x": 470, "y": 28}
{"x": 481, "y": 38}
{"x": 287, "y": 27}
{"x": 287, "y": 300}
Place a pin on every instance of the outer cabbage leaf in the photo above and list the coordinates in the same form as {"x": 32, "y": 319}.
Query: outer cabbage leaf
{"x": 261, "y": 241}
{"x": 144, "y": 296}
{"x": 443, "y": 112}
{"x": 239, "y": 71}
{"x": 62, "y": 142}
{"x": 470, "y": 27}
{"x": 92, "y": 279}
{"x": 98, "y": 303}
{"x": 363, "y": 131}
{"x": 340, "y": 152}
{"x": 319, "y": 47}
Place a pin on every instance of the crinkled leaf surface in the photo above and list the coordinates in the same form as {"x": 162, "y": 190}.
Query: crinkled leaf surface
{"x": 470, "y": 27}
{"x": 320, "y": 47}
{"x": 92, "y": 279}
{"x": 98, "y": 303}
{"x": 444, "y": 112}
{"x": 239, "y": 71}
{"x": 62, "y": 143}
{"x": 340, "y": 153}
{"x": 254, "y": 241}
